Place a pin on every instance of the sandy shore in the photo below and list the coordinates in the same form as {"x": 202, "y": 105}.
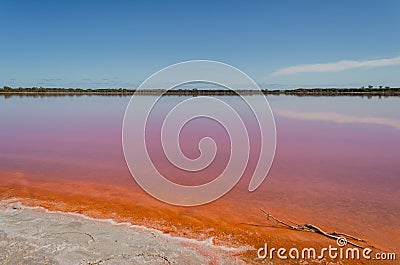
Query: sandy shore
{"x": 33, "y": 235}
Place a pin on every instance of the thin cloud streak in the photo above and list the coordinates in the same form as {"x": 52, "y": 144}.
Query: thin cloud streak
{"x": 336, "y": 67}
{"x": 338, "y": 118}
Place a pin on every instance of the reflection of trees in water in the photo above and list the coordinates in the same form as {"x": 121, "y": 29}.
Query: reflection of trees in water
{"x": 57, "y": 92}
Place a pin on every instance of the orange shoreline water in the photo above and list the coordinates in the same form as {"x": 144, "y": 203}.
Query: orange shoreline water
{"x": 122, "y": 204}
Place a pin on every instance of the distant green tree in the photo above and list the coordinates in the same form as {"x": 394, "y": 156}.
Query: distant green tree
{"x": 370, "y": 86}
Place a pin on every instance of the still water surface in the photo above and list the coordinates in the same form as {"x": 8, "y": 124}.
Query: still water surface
{"x": 336, "y": 166}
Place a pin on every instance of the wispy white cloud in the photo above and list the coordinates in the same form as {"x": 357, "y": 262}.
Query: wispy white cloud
{"x": 336, "y": 66}
{"x": 338, "y": 118}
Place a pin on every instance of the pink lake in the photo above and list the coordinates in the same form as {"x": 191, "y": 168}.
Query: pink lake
{"x": 336, "y": 166}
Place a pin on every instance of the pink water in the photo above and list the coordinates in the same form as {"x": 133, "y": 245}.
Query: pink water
{"x": 338, "y": 173}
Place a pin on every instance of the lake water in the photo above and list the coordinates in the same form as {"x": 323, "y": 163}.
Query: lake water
{"x": 336, "y": 166}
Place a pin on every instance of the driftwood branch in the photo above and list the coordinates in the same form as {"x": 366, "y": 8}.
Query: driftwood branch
{"x": 314, "y": 229}
{"x": 346, "y": 235}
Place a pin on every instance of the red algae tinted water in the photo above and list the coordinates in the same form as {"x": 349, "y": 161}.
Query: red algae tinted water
{"x": 336, "y": 164}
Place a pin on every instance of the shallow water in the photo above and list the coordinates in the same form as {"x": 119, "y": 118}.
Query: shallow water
{"x": 336, "y": 166}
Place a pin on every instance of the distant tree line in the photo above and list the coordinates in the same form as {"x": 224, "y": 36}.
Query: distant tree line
{"x": 67, "y": 90}
{"x": 367, "y": 91}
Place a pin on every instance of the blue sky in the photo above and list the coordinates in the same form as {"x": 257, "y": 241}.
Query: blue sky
{"x": 97, "y": 44}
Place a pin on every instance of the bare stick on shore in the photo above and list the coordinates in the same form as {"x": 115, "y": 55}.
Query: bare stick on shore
{"x": 315, "y": 229}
